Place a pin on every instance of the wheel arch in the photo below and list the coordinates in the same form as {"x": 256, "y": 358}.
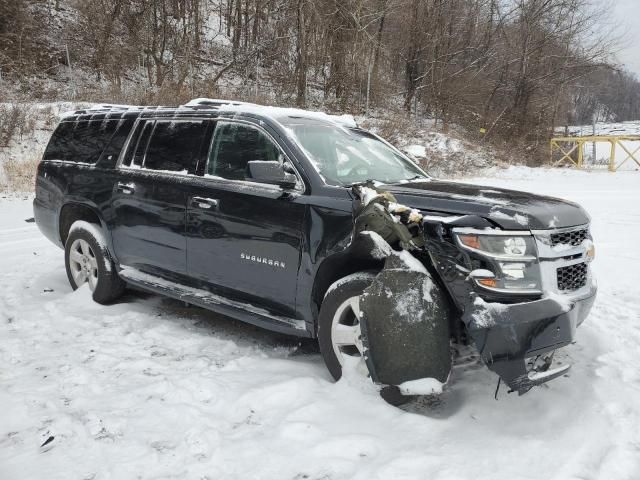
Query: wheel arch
{"x": 358, "y": 257}
{"x": 71, "y": 212}
{"x": 337, "y": 267}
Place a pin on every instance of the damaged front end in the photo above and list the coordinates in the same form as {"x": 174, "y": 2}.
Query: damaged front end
{"x": 501, "y": 290}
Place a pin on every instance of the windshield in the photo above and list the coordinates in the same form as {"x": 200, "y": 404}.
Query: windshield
{"x": 345, "y": 156}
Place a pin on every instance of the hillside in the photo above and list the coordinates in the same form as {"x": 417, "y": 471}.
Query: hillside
{"x": 463, "y": 65}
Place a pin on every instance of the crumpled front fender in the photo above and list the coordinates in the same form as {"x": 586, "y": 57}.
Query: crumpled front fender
{"x": 404, "y": 323}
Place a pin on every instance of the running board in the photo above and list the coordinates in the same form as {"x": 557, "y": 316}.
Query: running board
{"x": 245, "y": 312}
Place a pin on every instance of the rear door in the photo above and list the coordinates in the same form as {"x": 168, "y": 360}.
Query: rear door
{"x": 150, "y": 195}
{"x": 245, "y": 237}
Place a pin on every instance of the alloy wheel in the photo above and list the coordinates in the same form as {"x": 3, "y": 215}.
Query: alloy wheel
{"x": 346, "y": 336}
{"x": 83, "y": 264}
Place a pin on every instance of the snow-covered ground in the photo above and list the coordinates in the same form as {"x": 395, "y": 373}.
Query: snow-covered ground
{"x": 150, "y": 389}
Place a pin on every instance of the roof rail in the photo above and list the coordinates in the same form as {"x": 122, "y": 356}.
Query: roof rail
{"x": 212, "y": 102}
{"x": 115, "y": 108}
{"x": 110, "y": 106}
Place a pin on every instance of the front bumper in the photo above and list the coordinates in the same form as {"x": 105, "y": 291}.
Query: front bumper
{"x": 507, "y": 335}
{"x": 509, "y": 329}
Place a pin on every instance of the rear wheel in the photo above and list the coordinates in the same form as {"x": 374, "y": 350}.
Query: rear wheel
{"x": 87, "y": 260}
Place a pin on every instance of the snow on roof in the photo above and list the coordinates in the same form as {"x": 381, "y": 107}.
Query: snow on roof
{"x": 197, "y": 102}
{"x": 233, "y": 106}
{"x": 112, "y": 106}
{"x": 101, "y": 107}
{"x": 275, "y": 112}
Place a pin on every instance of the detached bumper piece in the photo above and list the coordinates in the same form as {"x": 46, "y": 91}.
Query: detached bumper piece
{"x": 403, "y": 331}
{"x": 507, "y": 335}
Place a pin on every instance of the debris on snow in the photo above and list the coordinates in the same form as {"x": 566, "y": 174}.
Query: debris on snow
{"x": 421, "y": 386}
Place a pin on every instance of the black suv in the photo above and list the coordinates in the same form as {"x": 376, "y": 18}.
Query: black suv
{"x": 305, "y": 224}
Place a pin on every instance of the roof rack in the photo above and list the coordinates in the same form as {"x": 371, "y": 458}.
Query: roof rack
{"x": 212, "y": 102}
{"x": 102, "y": 108}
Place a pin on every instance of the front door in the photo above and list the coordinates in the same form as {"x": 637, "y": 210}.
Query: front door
{"x": 151, "y": 192}
{"x": 243, "y": 236}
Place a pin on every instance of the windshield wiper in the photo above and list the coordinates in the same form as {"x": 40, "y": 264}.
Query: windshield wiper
{"x": 362, "y": 182}
{"x": 371, "y": 181}
{"x": 415, "y": 177}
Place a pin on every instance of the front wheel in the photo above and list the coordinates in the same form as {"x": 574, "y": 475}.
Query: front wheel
{"x": 87, "y": 260}
{"x": 339, "y": 333}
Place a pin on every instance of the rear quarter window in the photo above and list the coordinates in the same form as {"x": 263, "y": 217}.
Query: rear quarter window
{"x": 175, "y": 145}
{"x": 81, "y": 142}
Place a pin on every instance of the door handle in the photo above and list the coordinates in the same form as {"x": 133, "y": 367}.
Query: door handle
{"x": 127, "y": 188}
{"x": 204, "y": 203}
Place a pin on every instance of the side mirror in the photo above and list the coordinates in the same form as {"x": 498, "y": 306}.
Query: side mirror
{"x": 272, "y": 172}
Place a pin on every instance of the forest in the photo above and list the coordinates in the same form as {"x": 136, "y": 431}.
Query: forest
{"x": 506, "y": 68}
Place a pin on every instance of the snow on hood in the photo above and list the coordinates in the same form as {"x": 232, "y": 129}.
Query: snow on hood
{"x": 509, "y": 209}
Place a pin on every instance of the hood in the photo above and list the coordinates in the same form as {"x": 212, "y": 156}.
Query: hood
{"x": 509, "y": 209}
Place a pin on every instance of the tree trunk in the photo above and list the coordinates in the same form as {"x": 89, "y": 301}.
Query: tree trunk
{"x": 301, "y": 60}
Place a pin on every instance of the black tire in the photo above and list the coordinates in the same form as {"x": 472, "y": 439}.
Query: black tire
{"x": 109, "y": 285}
{"x": 346, "y": 289}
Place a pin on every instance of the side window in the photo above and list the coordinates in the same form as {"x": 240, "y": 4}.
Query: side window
{"x": 118, "y": 139}
{"x": 174, "y": 145}
{"x": 236, "y": 144}
{"x": 141, "y": 145}
{"x": 81, "y": 141}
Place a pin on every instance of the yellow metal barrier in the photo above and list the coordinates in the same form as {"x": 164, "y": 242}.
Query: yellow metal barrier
{"x": 569, "y": 145}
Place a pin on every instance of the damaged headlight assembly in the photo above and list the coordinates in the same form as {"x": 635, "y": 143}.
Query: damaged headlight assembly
{"x": 510, "y": 260}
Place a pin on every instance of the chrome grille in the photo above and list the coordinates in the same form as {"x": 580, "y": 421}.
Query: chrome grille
{"x": 572, "y": 277}
{"x": 570, "y": 237}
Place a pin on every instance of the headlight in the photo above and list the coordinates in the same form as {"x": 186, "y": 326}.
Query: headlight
{"x": 510, "y": 262}
{"x": 499, "y": 246}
